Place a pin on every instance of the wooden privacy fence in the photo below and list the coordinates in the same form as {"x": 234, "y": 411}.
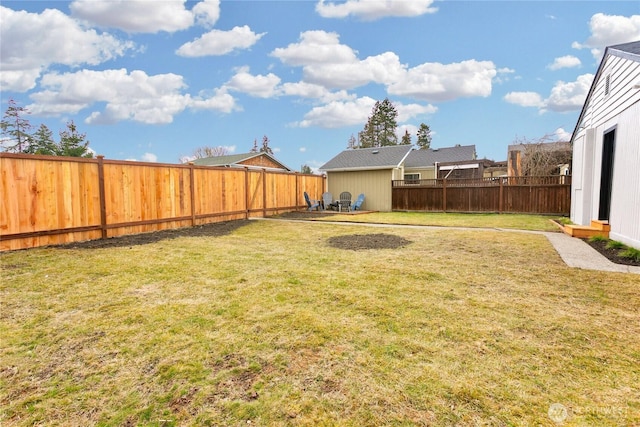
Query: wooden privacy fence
{"x": 50, "y": 200}
{"x": 539, "y": 194}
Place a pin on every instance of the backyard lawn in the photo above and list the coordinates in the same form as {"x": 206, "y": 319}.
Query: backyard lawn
{"x": 270, "y": 324}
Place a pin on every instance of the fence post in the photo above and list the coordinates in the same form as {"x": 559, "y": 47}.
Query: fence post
{"x": 500, "y": 202}
{"x": 192, "y": 193}
{"x": 264, "y": 193}
{"x": 246, "y": 192}
{"x": 103, "y": 198}
{"x": 444, "y": 195}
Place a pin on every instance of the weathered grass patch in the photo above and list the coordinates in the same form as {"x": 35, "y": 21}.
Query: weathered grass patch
{"x": 272, "y": 325}
{"x": 487, "y": 220}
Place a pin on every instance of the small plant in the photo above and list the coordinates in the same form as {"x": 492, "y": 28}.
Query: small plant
{"x": 598, "y": 239}
{"x": 631, "y": 253}
{"x": 615, "y": 245}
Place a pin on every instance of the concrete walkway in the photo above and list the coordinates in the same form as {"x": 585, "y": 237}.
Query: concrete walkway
{"x": 573, "y": 251}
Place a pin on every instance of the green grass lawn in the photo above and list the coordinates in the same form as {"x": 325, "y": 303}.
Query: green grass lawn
{"x": 269, "y": 325}
{"x": 488, "y": 220}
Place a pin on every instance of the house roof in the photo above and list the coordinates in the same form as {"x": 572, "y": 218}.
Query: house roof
{"x": 429, "y": 157}
{"x": 235, "y": 160}
{"x": 630, "y": 51}
{"x": 368, "y": 158}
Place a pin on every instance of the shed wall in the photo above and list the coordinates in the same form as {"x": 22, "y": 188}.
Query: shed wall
{"x": 376, "y": 186}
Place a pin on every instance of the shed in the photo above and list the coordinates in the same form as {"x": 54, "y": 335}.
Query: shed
{"x": 369, "y": 171}
{"x": 606, "y": 147}
{"x": 422, "y": 164}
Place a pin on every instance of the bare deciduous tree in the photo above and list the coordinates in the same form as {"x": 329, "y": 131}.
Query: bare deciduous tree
{"x": 206, "y": 151}
{"x": 542, "y": 156}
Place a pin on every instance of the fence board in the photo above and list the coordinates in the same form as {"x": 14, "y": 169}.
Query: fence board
{"x": 543, "y": 195}
{"x": 49, "y": 200}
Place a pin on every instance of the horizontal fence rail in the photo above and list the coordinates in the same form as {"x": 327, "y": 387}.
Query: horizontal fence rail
{"x": 49, "y": 200}
{"x": 524, "y": 194}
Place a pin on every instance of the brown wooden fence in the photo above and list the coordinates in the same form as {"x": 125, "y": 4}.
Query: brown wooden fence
{"x": 541, "y": 195}
{"x": 50, "y": 200}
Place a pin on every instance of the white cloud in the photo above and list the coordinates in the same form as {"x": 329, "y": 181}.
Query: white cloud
{"x": 302, "y": 149}
{"x": 217, "y": 42}
{"x": 524, "y": 99}
{"x": 569, "y": 96}
{"x": 384, "y": 69}
{"x": 259, "y": 86}
{"x": 567, "y": 61}
{"x": 607, "y": 30}
{"x": 347, "y": 113}
{"x": 149, "y": 157}
{"x": 445, "y": 82}
{"x": 128, "y": 96}
{"x": 146, "y": 16}
{"x": 562, "y": 135}
{"x": 339, "y": 114}
{"x": 409, "y": 111}
{"x": 564, "y": 96}
{"x": 372, "y": 10}
{"x": 314, "y": 91}
{"x": 316, "y": 47}
{"x": 32, "y": 42}
{"x": 332, "y": 65}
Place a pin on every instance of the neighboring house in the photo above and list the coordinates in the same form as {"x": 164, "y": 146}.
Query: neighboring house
{"x": 250, "y": 160}
{"x": 422, "y": 164}
{"x": 371, "y": 170}
{"x": 606, "y": 147}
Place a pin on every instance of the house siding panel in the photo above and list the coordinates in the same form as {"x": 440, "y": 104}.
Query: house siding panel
{"x": 625, "y": 198}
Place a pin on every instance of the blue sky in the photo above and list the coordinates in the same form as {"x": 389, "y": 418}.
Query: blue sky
{"x": 154, "y": 80}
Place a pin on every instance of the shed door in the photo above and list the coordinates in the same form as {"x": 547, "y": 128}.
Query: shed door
{"x": 606, "y": 177}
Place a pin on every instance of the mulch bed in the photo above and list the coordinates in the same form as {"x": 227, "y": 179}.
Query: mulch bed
{"x": 210, "y": 230}
{"x": 611, "y": 254}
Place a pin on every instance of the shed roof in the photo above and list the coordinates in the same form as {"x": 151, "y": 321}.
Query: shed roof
{"x": 368, "y": 158}
{"x": 429, "y": 157}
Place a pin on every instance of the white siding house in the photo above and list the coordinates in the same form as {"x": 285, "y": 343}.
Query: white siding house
{"x": 606, "y": 147}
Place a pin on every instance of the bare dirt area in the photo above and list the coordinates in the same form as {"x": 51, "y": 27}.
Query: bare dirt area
{"x": 212, "y": 230}
{"x": 357, "y": 242}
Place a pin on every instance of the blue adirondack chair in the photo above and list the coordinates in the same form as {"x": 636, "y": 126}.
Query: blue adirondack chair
{"x": 357, "y": 205}
{"x": 311, "y": 203}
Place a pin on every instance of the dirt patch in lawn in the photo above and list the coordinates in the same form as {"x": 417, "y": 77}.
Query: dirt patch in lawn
{"x": 207, "y": 230}
{"x": 356, "y": 242}
{"x": 612, "y": 254}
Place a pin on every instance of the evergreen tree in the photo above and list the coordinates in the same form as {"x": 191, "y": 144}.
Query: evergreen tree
{"x": 42, "y": 142}
{"x": 72, "y": 143}
{"x": 387, "y": 124}
{"x": 265, "y": 146}
{"x": 15, "y": 128}
{"x": 424, "y": 137}
{"x": 306, "y": 169}
{"x": 406, "y": 138}
{"x": 380, "y": 129}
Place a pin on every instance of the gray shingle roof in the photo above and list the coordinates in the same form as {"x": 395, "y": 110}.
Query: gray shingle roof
{"x": 368, "y": 158}
{"x": 633, "y": 47}
{"x": 425, "y": 158}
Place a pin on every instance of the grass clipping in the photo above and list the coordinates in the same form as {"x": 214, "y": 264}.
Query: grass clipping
{"x": 271, "y": 324}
